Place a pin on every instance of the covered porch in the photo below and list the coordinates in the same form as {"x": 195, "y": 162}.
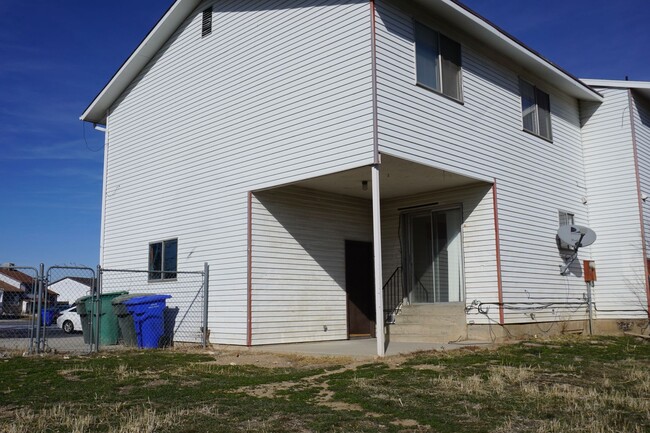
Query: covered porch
{"x": 369, "y": 252}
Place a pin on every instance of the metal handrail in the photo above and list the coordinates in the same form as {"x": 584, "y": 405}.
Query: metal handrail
{"x": 393, "y": 292}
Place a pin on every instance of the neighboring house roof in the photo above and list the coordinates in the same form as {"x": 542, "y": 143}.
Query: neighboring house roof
{"x": 21, "y": 277}
{"x": 451, "y": 10}
{"x": 643, "y": 87}
{"x": 81, "y": 280}
{"x": 8, "y": 288}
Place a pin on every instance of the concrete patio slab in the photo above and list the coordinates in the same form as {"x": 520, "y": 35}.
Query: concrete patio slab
{"x": 365, "y": 348}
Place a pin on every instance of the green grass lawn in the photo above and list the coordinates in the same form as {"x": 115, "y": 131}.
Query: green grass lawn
{"x": 563, "y": 385}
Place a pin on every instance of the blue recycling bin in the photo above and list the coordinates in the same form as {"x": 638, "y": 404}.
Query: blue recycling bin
{"x": 148, "y": 318}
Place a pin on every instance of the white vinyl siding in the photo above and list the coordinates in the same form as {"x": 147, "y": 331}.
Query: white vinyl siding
{"x": 613, "y": 206}
{"x": 483, "y": 139}
{"x": 298, "y": 259}
{"x": 276, "y": 94}
{"x": 642, "y": 131}
{"x": 478, "y": 239}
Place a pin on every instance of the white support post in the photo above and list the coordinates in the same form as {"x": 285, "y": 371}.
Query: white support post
{"x": 376, "y": 229}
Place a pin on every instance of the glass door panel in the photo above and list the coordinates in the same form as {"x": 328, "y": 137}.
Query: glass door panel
{"x": 422, "y": 271}
{"x": 435, "y": 257}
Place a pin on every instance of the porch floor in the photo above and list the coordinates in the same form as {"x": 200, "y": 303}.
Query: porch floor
{"x": 361, "y": 348}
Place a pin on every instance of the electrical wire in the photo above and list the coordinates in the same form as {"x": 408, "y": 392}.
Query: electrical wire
{"x": 83, "y": 126}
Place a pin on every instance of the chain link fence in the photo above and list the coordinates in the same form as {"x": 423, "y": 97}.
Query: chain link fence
{"x": 163, "y": 312}
{"x": 69, "y": 309}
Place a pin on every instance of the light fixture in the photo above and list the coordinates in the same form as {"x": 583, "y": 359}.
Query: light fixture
{"x": 364, "y": 185}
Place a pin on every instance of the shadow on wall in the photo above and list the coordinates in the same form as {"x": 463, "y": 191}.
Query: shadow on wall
{"x": 306, "y": 230}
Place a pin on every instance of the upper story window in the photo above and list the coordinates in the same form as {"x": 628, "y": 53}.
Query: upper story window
{"x": 437, "y": 62}
{"x": 163, "y": 260}
{"x": 536, "y": 110}
{"x": 206, "y": 22}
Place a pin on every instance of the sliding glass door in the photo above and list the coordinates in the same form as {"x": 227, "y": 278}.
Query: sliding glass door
{"x": 433, "y": 259}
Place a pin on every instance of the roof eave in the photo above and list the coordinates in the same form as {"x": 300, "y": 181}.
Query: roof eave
{"x": 498, "y": 39}
{"x": 451, "y": 10}
{"x": 153, "y": 41}
{"x": 641, "y": 87}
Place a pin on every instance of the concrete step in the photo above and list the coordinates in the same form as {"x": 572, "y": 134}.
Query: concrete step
{"x": 430, "y": 323}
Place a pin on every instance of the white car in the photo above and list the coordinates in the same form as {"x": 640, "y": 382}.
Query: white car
{"x": 69, "y": 320}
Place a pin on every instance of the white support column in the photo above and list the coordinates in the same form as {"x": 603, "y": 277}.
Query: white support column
{"x": 376, "y": 229}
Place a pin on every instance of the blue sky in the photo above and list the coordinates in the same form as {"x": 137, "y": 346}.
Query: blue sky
{"x": 56, "y": 56}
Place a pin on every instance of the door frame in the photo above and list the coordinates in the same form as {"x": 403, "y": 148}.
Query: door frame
{"x": 406, "y": 245}
{"x": 370, "y": 288}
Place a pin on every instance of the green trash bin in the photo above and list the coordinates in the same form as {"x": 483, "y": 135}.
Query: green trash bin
{"x": 125, "y": 319}
{"x": 109, "y": 330}
{"x": 84, "y": 309}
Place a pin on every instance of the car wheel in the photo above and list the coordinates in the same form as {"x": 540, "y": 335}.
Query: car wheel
{"x": 68, "y": 327}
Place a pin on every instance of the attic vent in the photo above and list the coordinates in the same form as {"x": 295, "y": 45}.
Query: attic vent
{"x": 206, "y": 26}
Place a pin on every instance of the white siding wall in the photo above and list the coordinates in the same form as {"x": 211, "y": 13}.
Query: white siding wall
{"x": 69, "y": 290}
{"x": 478, "y": 236}
{"x": 9, "y": 281}
{"x": 299, "y": 263}
{"x": 275, "y": 94}
{"x": 483, "y": 138}
{"x": 613, "y": 204}
{"x": 642, "y": 131}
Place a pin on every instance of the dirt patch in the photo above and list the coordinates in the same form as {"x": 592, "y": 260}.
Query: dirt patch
{"x": 155, "y": 383}
{"x": 238, "y": 356}
{"x": 71, "y": 374}
{"x": 431, "y": 367}
{"x": 405, "y": 422}
{"x": 269, "y": 390}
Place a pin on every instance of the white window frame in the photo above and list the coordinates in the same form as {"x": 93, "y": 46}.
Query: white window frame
{"x": 163, "y": 274}
{"x": 536, "y": 128}
{"x": 565, "y": 218}
{"x": 440, "y": 88}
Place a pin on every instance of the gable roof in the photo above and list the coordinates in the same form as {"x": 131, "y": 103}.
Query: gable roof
{"x": 6, "y": 287}
{"x": 81, "y": 280}
{"x": 642, "y": 87}
{"x": 451, "y": 10}
{"x": 16, "y": 275}
{"x": 152, "y": 42}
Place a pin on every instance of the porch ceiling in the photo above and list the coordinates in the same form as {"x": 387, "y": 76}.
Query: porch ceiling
{"x": 398, "y": 178}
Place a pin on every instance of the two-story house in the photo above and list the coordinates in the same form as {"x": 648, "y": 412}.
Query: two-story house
{"x": 349, "y": 168}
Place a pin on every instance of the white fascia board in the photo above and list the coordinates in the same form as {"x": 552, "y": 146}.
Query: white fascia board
{"x": 642, "y": 87}
{"x": 155, "y": 39}
{"x": 496, "y": 38}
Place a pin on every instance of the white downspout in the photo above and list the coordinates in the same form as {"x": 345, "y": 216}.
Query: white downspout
{"x": 376, "y": 229}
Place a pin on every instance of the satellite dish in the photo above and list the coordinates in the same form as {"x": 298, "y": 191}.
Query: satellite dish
{"x": 576, "y": 236}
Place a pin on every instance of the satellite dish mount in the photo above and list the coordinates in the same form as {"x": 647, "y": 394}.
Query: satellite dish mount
{"x": 574, "y": 237}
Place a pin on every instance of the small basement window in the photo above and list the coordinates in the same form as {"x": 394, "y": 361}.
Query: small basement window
{"x": 566, "y": 218}
{"x": 536, "y": 110}
{"x": 206, "y": 23}
{"x": 163, "y": 260}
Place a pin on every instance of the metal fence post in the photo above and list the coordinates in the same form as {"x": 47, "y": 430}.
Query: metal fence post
{"x": 96, "y": 305}
{"x": 206, "y": 285}
{"x": 39, "y": 300}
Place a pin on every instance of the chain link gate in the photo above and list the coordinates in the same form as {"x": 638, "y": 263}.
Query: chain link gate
{"x": 19, "y": 288}
{"x": 69, "y": 309}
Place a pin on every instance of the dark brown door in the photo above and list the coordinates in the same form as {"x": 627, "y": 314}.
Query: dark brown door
{"x": 359, "y": 284}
